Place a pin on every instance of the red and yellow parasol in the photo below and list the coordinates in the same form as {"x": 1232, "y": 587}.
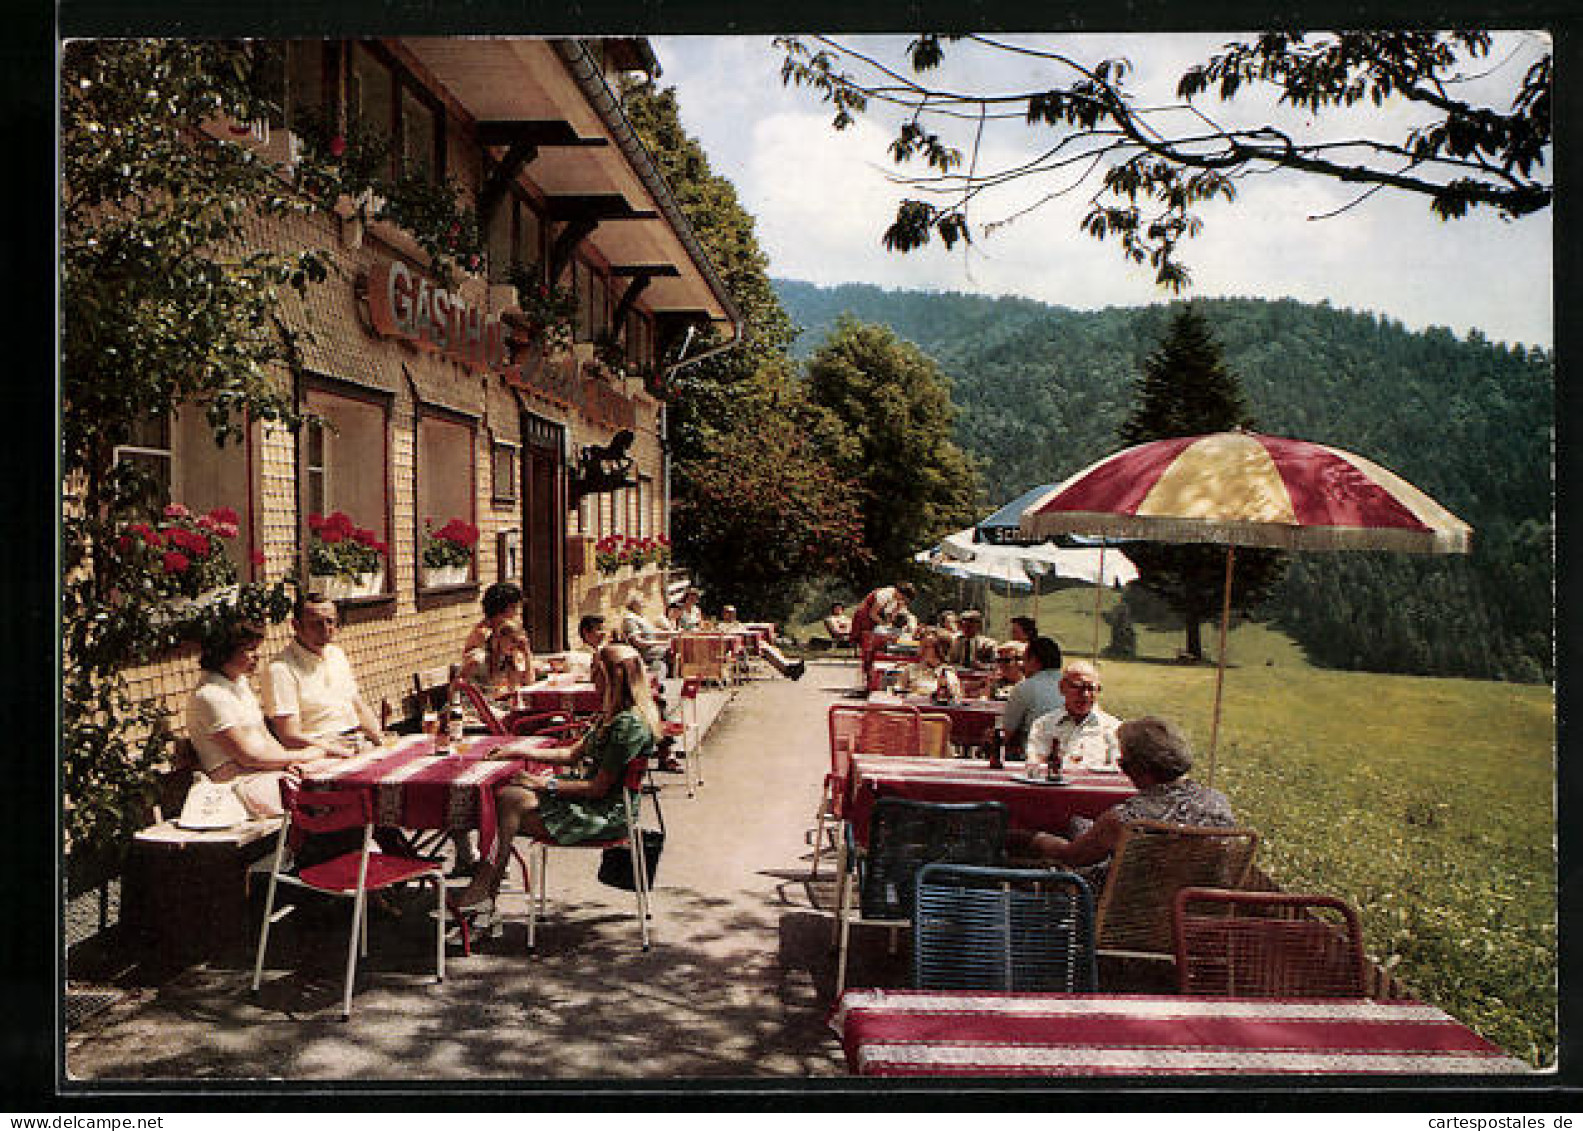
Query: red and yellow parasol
{"x": 1246, "y": 489}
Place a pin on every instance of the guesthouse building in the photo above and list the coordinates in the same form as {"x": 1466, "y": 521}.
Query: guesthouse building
{"x": 445, "y": 400}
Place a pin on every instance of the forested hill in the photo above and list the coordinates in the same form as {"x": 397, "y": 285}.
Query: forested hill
{"x": 1043, "y": 389}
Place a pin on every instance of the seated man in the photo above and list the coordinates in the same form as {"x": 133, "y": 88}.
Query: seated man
{"x": 591, "y": 636}
{"x": 310, "y": 694}
{"x": 654, "y": 647}
{"x": 1008, "y": 668}
{"x": 972, "y": 649}
{"x": 1038, "y": 694}
{"x": 1080, "y": 734}
{"x": 838, "y": 625}
{"x": 1156, "y": 757}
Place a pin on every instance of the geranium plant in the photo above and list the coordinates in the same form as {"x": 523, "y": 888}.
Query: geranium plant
{"x": 451, "y": 545}
{"x": 183, "y": 555}
{"x": 549, "y": 308}
{"x": 338, "y": 547}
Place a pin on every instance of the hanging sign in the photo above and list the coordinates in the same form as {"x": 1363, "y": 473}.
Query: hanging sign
{"x": 402, "y": 304}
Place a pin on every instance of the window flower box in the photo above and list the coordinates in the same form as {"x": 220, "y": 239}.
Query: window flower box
{"x": 436, "y": 576}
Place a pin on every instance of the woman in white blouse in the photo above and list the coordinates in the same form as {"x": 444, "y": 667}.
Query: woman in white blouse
{"x": 226, "y": 724}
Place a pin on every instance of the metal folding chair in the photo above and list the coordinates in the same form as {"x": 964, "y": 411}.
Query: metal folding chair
{"x": 539, "y": 855}
{"x": 351, "y": 875}
{"x": 904, "y": 836}
{"x": 1003, "y": 929}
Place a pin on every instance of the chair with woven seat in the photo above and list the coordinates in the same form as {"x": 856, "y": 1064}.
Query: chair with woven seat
{"x": 350, "y": 875}
{"x": 703, "y": 656}
{"x": 1153, "y": 861}
{"x": 1003, "y": 929}
{"x": 632, "y": 791}
{"x": 877, "y": 881}
{"x": 1267, "y": 944}
{"x": 859, "y": 728}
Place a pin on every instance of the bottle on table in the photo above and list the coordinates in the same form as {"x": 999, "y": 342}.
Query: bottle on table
{"x": 442, "y": 724}
{"x": 997, "y": 748}
{"x": 453, "y": 723}
{"x": 1053, "y": 768}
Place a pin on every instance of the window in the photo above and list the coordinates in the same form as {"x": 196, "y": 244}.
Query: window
{"x": 371, "y": 95}
{"x": 515, "y": 234}
{"x": 186, "y": 465}
{"x": 445, "y": 472}
{"x": 420, "y": 134}
{"x": 342, "y": 459}
{"x": 645, "y": 504}
{"x": 503, "y": 472}
{"x": 582, "y": 284}
{"x": 599, "y": 304}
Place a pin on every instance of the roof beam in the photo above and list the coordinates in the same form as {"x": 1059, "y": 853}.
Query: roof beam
{"x": 549, "y": 134}
{"x": 598, "y": 207}
{"x": 647, "y": 271}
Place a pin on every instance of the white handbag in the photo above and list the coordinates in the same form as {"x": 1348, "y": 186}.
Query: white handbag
{"x": 211, "y": 805}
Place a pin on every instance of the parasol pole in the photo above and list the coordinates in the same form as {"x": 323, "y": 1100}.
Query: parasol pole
{"x": 1099, "y": 591}
{"x": 1220, "y": 668}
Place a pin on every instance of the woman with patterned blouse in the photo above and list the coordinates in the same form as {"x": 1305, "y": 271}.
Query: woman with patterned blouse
{"x": 1156, "y": 757}
{"x": 587, "y": 803}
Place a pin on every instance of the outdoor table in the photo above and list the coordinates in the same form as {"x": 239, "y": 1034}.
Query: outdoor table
{"x": 969, "y": 1033}
{"x": 559, "y": 694}
{"x": 972, "y": 720}
{"x": 415, "y": 789}
{"x": 1030, "y": 805}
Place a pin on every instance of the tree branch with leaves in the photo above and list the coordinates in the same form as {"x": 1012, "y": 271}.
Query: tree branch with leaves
{"x": 1156, "y": 165}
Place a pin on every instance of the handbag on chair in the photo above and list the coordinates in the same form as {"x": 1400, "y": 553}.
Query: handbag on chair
{"x": 615, "y": 865}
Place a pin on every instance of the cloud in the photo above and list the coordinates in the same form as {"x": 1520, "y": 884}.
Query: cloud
{"x": 822, "y": 199}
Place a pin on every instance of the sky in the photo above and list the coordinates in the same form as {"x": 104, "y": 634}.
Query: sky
{"x": 822, "y": 200}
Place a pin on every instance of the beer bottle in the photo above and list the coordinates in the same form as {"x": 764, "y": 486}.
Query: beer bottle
{"x": 997, "y": 748}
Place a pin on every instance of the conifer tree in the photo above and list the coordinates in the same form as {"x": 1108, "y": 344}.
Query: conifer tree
{"x": 1186, "y": 389}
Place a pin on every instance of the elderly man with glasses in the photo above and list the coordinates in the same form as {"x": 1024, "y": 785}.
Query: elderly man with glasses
{"x": 1080, "y": 734}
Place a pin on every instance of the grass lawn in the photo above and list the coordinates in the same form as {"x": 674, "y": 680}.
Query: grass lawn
{"x": 1428, "y": 803}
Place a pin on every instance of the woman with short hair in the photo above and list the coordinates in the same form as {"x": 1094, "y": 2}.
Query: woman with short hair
{"x": 226, "y": 724}
{"x": 1155, "y": 755}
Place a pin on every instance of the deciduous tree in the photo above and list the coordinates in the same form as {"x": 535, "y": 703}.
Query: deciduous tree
{"x": 894, "y": 407}
{"x": 1156, "y": 163}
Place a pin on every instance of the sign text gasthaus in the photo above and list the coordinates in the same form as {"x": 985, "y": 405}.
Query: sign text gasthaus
{"x": 404, "y": 305}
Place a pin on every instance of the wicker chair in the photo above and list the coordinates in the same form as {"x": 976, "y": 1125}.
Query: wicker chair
{"x": 703, "y": 656}
{"x": 1153, "y": 861}
{"x": 903, "y": 836}
{"x": 1003, "y": 929}
{"x": 1267, "y": 944}
{"x": 859, "y": 728}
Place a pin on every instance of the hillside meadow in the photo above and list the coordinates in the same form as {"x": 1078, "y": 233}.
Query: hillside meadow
{"x": 1427, "y": 803}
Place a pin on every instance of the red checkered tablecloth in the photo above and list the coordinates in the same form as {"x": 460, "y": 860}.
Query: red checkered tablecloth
{"x": 1088, "y": 793}
{"x": 964, "y": 1033}
{"x": 415, "y": 789}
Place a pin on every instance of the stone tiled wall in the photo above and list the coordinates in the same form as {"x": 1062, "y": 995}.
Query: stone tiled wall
{"x": 390, "y": 640}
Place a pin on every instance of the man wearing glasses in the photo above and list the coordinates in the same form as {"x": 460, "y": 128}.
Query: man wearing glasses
{"x": 1080, "y": 734}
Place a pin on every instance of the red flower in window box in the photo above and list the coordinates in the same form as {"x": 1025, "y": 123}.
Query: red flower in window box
{"x": 174, "y": 562}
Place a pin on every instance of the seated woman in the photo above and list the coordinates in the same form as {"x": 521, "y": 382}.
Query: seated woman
{"x": 691, "y": 617}
{"x": 583, "y": 805}
{"x": 226, "y": 723}
{"x": 1156, "y": 757}
{"x": 930, "y": 671}
{"x": 503, "y": 663}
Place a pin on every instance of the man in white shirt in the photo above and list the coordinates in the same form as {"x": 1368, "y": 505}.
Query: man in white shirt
{"x": 310, "y": 694}
{"x": 1087, "y": 735}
